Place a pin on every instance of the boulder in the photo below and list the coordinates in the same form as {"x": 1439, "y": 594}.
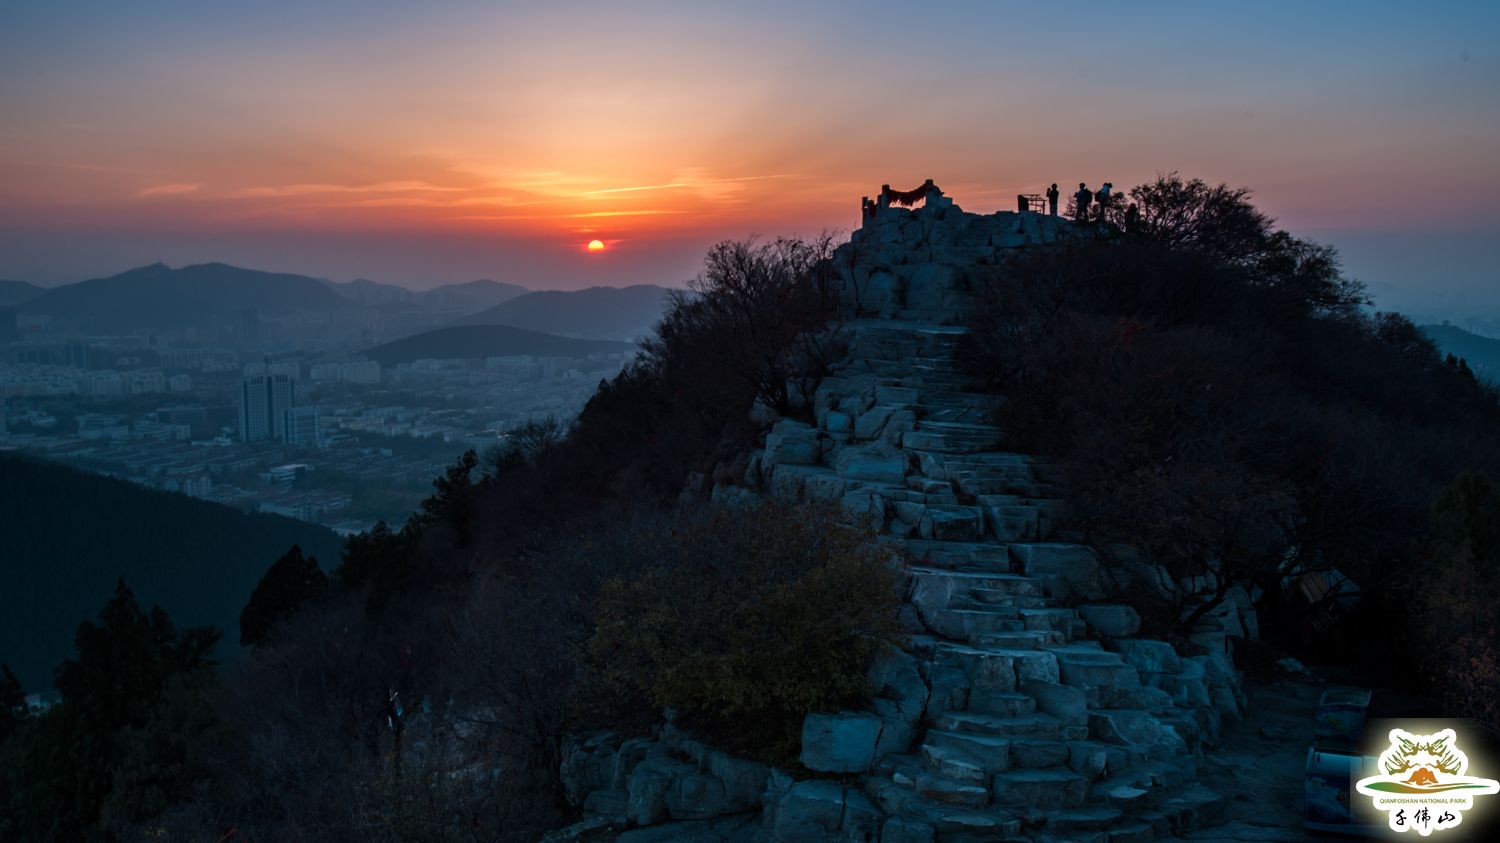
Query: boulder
{"x": 810, "y": 810}
{"x": 1072, "y": 569}
{"x": 894, "y": 677}
{"x": 1064, "y": 702}
{"x": 648, "y": 784}
{"x": 792, "y": 443}
{"x": 905, "y": 830}
{"x": 840, "y": 743}
{"x": 1148, "y": 656}
{"x": 1138, "y": 730}
{"x": 869, "y": 423}
{"x": 869, "y": 464}
{"x": 696, "y": 796}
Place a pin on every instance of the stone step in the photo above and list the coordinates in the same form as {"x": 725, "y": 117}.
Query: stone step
{"x": 1107, "y": 685}
{"x": 999, "y": 669}
{"x": 1013, "y": 726}
{"x": 1075, "y": 820}
{"x": 952, "y": 438}
{"x": 989, "y": 753}
{"x": 1083, "y": 653}
{"x": 951, "y": 522}
{"x": 981, "y": 597}
{"x": 1056, "y": 620}
{"x": 944, "y": 554}
{"x": 1001, "y": 703}
{"x": 954, "y": 585}
{"x": 948, "y": 791}
{"x": 959, "y": 398}
{"x": 1038, "y": 753}
{"x": 1048, "y": 790}
{"x": 927, "y": 485}
{"x": 963, "y": 415}
{"x": 967, "y": 826}
{"x": 957, "y": 763}
{"x": 1025, "y": 639}
{"x": 979, "y": 622}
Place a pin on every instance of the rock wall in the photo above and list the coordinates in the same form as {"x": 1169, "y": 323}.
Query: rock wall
{"x": 1024, "y": 706}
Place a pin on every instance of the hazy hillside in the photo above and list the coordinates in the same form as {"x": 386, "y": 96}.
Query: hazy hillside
{"x": 472, "y": 295}
{"x": 158, "y": 296}
{"x": 465, "y": 342}
{"x": 371, "y": 293}
{"x": 468, "y": 296}
{"x": 617, "y": 313}
{"x": 67, "y": 536}
{"x": 15, "y": 292}
{"x": 1482, "y": 353}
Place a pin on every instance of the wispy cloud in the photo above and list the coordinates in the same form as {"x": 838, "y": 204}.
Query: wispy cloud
{"x": 680, "y": 184}
{"x": 317, "y": 189}
{"x": 175, "y": 189}
{"x": 648, "y": 212}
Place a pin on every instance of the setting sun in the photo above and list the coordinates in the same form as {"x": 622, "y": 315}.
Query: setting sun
{"x": 596, "y": 245}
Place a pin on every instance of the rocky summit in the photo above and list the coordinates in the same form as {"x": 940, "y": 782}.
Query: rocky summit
{"x": 1024, "y": 705}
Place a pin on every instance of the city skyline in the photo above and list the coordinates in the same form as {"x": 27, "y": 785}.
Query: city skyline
{"x": 465, "y": 141}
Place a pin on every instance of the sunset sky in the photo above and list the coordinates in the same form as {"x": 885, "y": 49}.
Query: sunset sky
{"x": 447, "y": 141}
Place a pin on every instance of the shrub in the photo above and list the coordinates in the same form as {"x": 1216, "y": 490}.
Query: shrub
{"x": 1458, "y": 604}
{"x": 745, "y": 621}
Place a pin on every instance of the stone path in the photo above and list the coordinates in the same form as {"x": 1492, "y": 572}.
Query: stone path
{"x": 1042, "y": 715}
{"x": 1025, "y": 707}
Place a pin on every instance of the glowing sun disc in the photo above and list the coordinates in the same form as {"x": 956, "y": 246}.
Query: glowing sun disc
{"x": 596, "y": 245}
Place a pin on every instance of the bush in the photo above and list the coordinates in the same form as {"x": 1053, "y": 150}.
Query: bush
{"x": 1458, "y": 614}
{"x": 746, "y": 620}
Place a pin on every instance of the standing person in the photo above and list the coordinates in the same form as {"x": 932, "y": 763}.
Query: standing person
{"x": 1085, "y": 198}
{"x": 1104, "y": 196}
{"x": 1132, "y": 218}
{"x": 1052, "y": 195}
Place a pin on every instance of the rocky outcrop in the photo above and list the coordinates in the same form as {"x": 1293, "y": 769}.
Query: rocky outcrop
{"x": 1024, "y": 703}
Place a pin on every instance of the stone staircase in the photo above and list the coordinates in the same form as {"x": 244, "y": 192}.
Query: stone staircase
{"x": 1024, "y": 706}
{"x": 1044, "y": 719}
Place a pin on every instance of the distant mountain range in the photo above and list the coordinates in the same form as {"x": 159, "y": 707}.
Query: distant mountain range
{"x": 158, "y": 297}
{"x": 467, "y": 297}
{"x": 1482, "y": 353}
{"x": 161, "y": 298}
{"x": 15, "y": 292}
{"x": 468, "y": 342}
{"x": 68, "y": 535}
{"x": 616, "y": 313}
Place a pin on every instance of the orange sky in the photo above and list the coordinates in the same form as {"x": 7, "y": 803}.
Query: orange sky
{"x": 462, "y": 139}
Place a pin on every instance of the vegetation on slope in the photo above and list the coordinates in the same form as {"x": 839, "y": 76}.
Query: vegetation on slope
{"x": 68, "y": 536}
{"x": 477, "y": 615}
{"x": 1225, "y": 406}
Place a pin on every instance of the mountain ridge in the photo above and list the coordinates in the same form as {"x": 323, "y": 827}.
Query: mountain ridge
{"x": 468, "y": 342}
{"x": 615, "y": 313}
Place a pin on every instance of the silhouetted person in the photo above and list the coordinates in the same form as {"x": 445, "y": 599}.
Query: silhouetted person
{"x": 1132, "y": 218}
{"x": 1103, "y": 197}
{"x": 1052, "y": 195}
{"x": 1085, "y": 198}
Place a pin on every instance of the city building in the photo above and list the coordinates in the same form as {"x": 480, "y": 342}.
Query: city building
{"x": 264, "y": 400}
{"x": 301, "y": 426}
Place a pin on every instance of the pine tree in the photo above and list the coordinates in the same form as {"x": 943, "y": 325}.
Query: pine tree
{"x": 291, "y": 582}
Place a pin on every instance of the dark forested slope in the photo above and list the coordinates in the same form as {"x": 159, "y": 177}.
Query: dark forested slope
{"x": 66, "y": 537}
